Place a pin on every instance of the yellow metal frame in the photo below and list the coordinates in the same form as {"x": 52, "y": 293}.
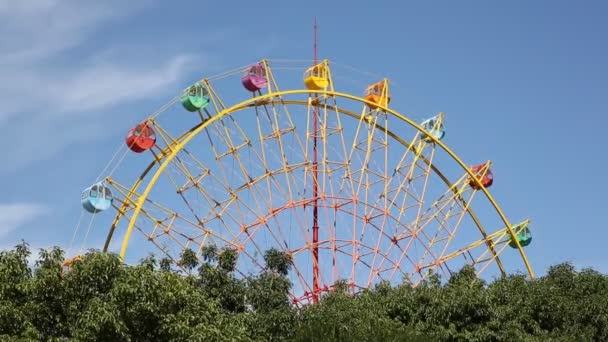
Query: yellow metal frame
{"x": 170, "y": 153}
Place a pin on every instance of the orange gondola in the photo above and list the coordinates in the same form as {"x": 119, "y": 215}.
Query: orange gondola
{"x": 378, "y": 94}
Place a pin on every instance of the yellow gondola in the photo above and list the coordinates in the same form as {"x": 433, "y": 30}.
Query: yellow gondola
{"x": 317, "y": 76}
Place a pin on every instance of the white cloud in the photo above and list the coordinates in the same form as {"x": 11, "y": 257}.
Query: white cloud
{"x": 46, "y": 96}
{"x": 113, "y": 84}
{"x": 39, "y": 29}
{"x": 60, "y": 112}
{"x": 14, "y": 215}
{"x": 90, "y": 88}
{"x": 37, "y": 33}
{"x": 9, "y": 6}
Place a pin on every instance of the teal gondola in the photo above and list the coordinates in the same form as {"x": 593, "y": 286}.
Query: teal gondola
{"x": 195, "y": 98}
{"x": 523, "y": 235}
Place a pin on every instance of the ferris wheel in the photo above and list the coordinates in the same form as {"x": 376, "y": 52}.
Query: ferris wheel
{"x": 281, "y": 154}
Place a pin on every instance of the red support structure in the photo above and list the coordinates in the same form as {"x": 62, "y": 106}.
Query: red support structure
{"x": 315, "y": 190}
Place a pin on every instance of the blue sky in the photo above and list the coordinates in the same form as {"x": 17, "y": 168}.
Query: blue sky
{"x": 522, "y": 83}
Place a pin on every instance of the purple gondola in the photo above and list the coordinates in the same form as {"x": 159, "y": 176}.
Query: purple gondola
{"x": 254, "y": 78}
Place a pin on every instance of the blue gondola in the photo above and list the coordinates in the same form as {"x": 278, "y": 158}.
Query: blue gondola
{"x": 96, "y": 198}
{"x": 434, "y": 126}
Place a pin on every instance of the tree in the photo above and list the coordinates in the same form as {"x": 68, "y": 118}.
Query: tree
{"x": 227, "y": 260}
{"x": 100, "y": 298}
{"x": 188, "y": 260}
{"x": 278, "y": 261}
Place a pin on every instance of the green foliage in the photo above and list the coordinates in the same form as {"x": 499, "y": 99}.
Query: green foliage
{"x": 228, "y": 291}
{"x": 100, "y": 299}
{"x": 340, "y": 317}
{"x": 188, "y": 260}
{"x": 278, "y": 261}
{"x": 209, "y": 253}
{"x": 165, "y": 264}
{"x": 227, "y": 260}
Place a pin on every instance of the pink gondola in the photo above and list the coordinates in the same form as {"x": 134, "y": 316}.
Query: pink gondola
{"x": 255, "y": 78}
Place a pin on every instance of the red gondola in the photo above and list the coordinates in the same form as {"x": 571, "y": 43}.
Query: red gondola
{"x": 484, "y": 174}
{"x": 141, "y": 138}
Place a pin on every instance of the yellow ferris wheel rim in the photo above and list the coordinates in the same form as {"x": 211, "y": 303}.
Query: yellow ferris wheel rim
{"x": 183, "y": 141}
